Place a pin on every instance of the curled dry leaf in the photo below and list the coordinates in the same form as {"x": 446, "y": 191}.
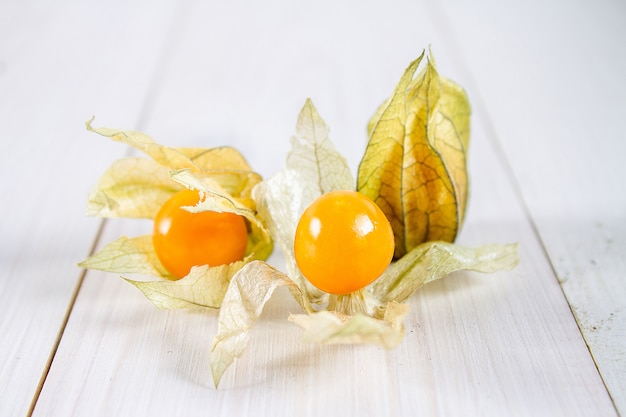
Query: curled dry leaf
{"x": 433, "y": 260}
{"x": 414, "y": 166}
{"x": 243, "y": 303}
{"x": 131, "y": 187}
{"x": 126, "y": 255}
{"x": 314, "y": 156}
{"x": 331, "y": 327}
{"x": 138, "y": 187}
{"x": 204, "y": 287}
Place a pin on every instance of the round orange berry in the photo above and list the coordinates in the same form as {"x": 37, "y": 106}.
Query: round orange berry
{"x": 343, "y": 242}
{"x": 183, "y": 239}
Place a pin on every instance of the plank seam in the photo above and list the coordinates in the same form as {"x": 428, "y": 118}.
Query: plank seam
{"x": 171, "y": 40}
{"x": 66, "y": 318}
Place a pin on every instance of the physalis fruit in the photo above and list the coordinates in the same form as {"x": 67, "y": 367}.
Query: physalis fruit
{"x": 343, "y": 242}
{"x": 183, "y": 239}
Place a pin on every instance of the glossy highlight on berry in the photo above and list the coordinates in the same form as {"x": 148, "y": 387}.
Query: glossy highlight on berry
{"x": 183, "y": 239}
{"x": 343, "y": 242}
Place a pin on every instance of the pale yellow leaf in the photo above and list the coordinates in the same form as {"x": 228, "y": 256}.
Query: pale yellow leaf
{"x": 449, "y": 134}
{"x": 204, "y": 286}
{"x": 199, "y": 159}
{"x": 131, "y": 187}
{"x": 414, "y": 166}
{"x": 434, "y": 260}
{"x": 238, "y": 184}
{"x": 314, "y": 156}
{"x": 280, "y": 200}
{"x": 330, "y": 327}
{"x": 163, "y": 155}
{"x": 243, "y": 303}
{"x": 127, "y": 256}
{"x": 216, "y": 159}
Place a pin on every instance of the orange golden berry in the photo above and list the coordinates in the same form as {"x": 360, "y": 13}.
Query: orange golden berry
{"x": 343, "y": 242}
{"x": 183, "y": 239}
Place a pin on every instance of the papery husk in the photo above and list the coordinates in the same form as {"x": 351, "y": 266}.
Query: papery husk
{"x": 434, "y": 260}
{"x": 414, "y": 166}
{"x": 131, "y": 187}
{"x": 126, "y": 255}
{"x": 243, "y": 303}
{"x": 138, "y": 187}
{"x": 203, "y": 287}
{"x": 331, "y": 327}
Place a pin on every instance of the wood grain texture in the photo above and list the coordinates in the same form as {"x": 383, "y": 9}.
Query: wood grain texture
{"x": 556, "y": 100}
{"x": 204, "y": 74}
{"x": 59, "y": 64}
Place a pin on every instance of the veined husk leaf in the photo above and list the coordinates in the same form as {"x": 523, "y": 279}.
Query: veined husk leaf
{"x": 365, "y": 316}
{"x": 200, "y": 159}
{"x": 314, "y": 156}
{"x": 243, "y": 303}
{"x": 138, "y": 187}
{"x": 204, "y": 286}
{"x": 313, "y": 167}
{"x": 331, "y": 327}
{"x": 433, "y": 260}
{"x": 378, "y": 321}
{"x": 126, "y": 255}
{"x": 414, "y": 166}
{"x": 131, "y": 187}
{"x": 279, "y": 200}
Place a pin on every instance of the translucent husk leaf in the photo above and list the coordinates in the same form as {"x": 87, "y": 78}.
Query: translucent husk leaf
{"x": 131, "y": 187}
{"x": 331, "y": 327}
{"x": 414, "y": 166}
{"x": 204, "y": 286}
{"x": 243, "y": 303}
{"x": 200, "y": 159}
{"x": 280, "y": 200}
{"x": 314, "y": 156}
{"x": 126, "y": 255}
{"x": 138, "y": 187}
{"x": 434, "y": 260}
{"x": 379, "y": 323}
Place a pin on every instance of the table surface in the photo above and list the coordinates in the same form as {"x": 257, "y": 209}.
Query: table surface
{"x": 548, "y": 93}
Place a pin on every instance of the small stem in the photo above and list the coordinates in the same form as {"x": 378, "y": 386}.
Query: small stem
{"x": 358, "y": 302}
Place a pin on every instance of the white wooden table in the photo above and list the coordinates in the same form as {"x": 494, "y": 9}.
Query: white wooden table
{"x": 548, "y": 88}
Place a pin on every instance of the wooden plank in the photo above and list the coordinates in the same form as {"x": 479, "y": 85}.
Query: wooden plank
{"x": 60, "y": 63}
{"x": 505, "y": 344}
{"x": 551, "y": 78}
